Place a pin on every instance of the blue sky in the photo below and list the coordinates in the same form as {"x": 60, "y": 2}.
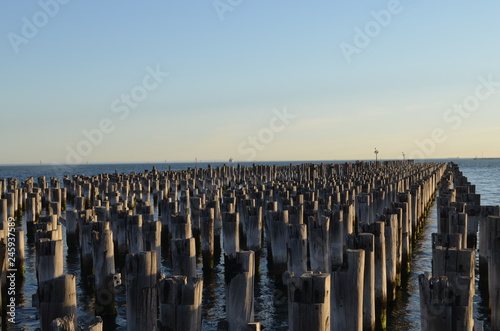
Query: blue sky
{"x": 253, "y": 80}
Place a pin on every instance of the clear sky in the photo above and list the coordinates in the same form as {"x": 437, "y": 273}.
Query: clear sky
{"x": 137, "y": 81}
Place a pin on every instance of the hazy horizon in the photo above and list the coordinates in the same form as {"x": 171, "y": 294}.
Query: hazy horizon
{"x": 127, "y": 82}
{"x": 235, "y": 162}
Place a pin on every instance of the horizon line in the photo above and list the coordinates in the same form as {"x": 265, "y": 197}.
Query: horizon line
{"x": 233, "y": 162}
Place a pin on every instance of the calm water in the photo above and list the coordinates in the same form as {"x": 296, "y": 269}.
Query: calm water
{"x": 270, "y": 300}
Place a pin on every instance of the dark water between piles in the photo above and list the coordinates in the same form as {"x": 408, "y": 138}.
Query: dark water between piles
{"x": 270, "y": 299}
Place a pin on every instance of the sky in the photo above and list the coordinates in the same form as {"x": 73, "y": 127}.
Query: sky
{"x": 129, "y": 81}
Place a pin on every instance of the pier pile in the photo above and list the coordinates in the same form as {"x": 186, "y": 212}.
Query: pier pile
{"x": 446, "y": 296}
{"x": 338, "y": 237}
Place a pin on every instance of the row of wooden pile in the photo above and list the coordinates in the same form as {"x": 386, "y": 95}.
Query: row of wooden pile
{"x": 341, "y": 235}
{"x": 446, "y": 296}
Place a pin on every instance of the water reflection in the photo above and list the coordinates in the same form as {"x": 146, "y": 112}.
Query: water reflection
{"x": 405, "y": 313}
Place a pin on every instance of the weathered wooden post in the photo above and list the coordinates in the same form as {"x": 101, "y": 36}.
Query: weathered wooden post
{"x": 378, "y": 230}
{"x": 230, "y": 225}
{"x": 494, "y": 283}
{"x": 102, "y": 213}
{"x": 335, "y": 235}
{"x": 379, "y": 202}
{"x": 196, "y": 208}
{"x": 80, "y": 203}
{"x": 72, "y": 228}
{"x": 254, "y": 228}
{"x": 366, "y": 241}
{"x": 489, "y": 230}
{"x": 55, "y": 208}
{"x": 49, "y": 224}
{"x": 215, "y": 204}
{"x": 104, "y": 272}
{"x": 399, "y": 241}
{"x": 19, "y": 265}
{"x": 278, "y": 226}
{"x": 309, "y": 302}
{"x": 134, "y": 234}
{"x": 66, "y": 323}
{"x": 11, "y": 204}
{"x": 180, "y": 303}
{"x": 297, "y": 248}
{"x": 180, "y": 227}
{"x": 404, "y": 200}
{"x": 457, "y": 265}
{"x": 207, "y": 235}
{"x": 239, "y": 279}
{"x": 85, "y": 226}
{"x": 56, "y": 298}
{"x": 32, "y": 215}
{"x": 447, "y": 240}
{"x": 390, "y": 234}
{"x": 444, "y": 304}
{"x": 269, "y": 215}
{"x": 443, "y": 214}
{"x": 162, "y": 212}
{"x": 347, "y": 292}
{"x": 458, "y": 224}
{"x": 95, "y": 325}
{"x": 142, "y": 302}
{"x": 364, "y": 208}
{"x": 184, "y": 257}
{"x": 311, "y": 207}
{"x": 3, "y": 211}
{"x": 119, "y": 227}
{"x": 151, "y": 232}
{"x": 49, "y": 259}
{"x": 184, "y": 202}
{"x": 296, "y": 214}
{"x": 473, "y": 217}
{"x": 318, "y": 230}
{"x": 402, "y": 212}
